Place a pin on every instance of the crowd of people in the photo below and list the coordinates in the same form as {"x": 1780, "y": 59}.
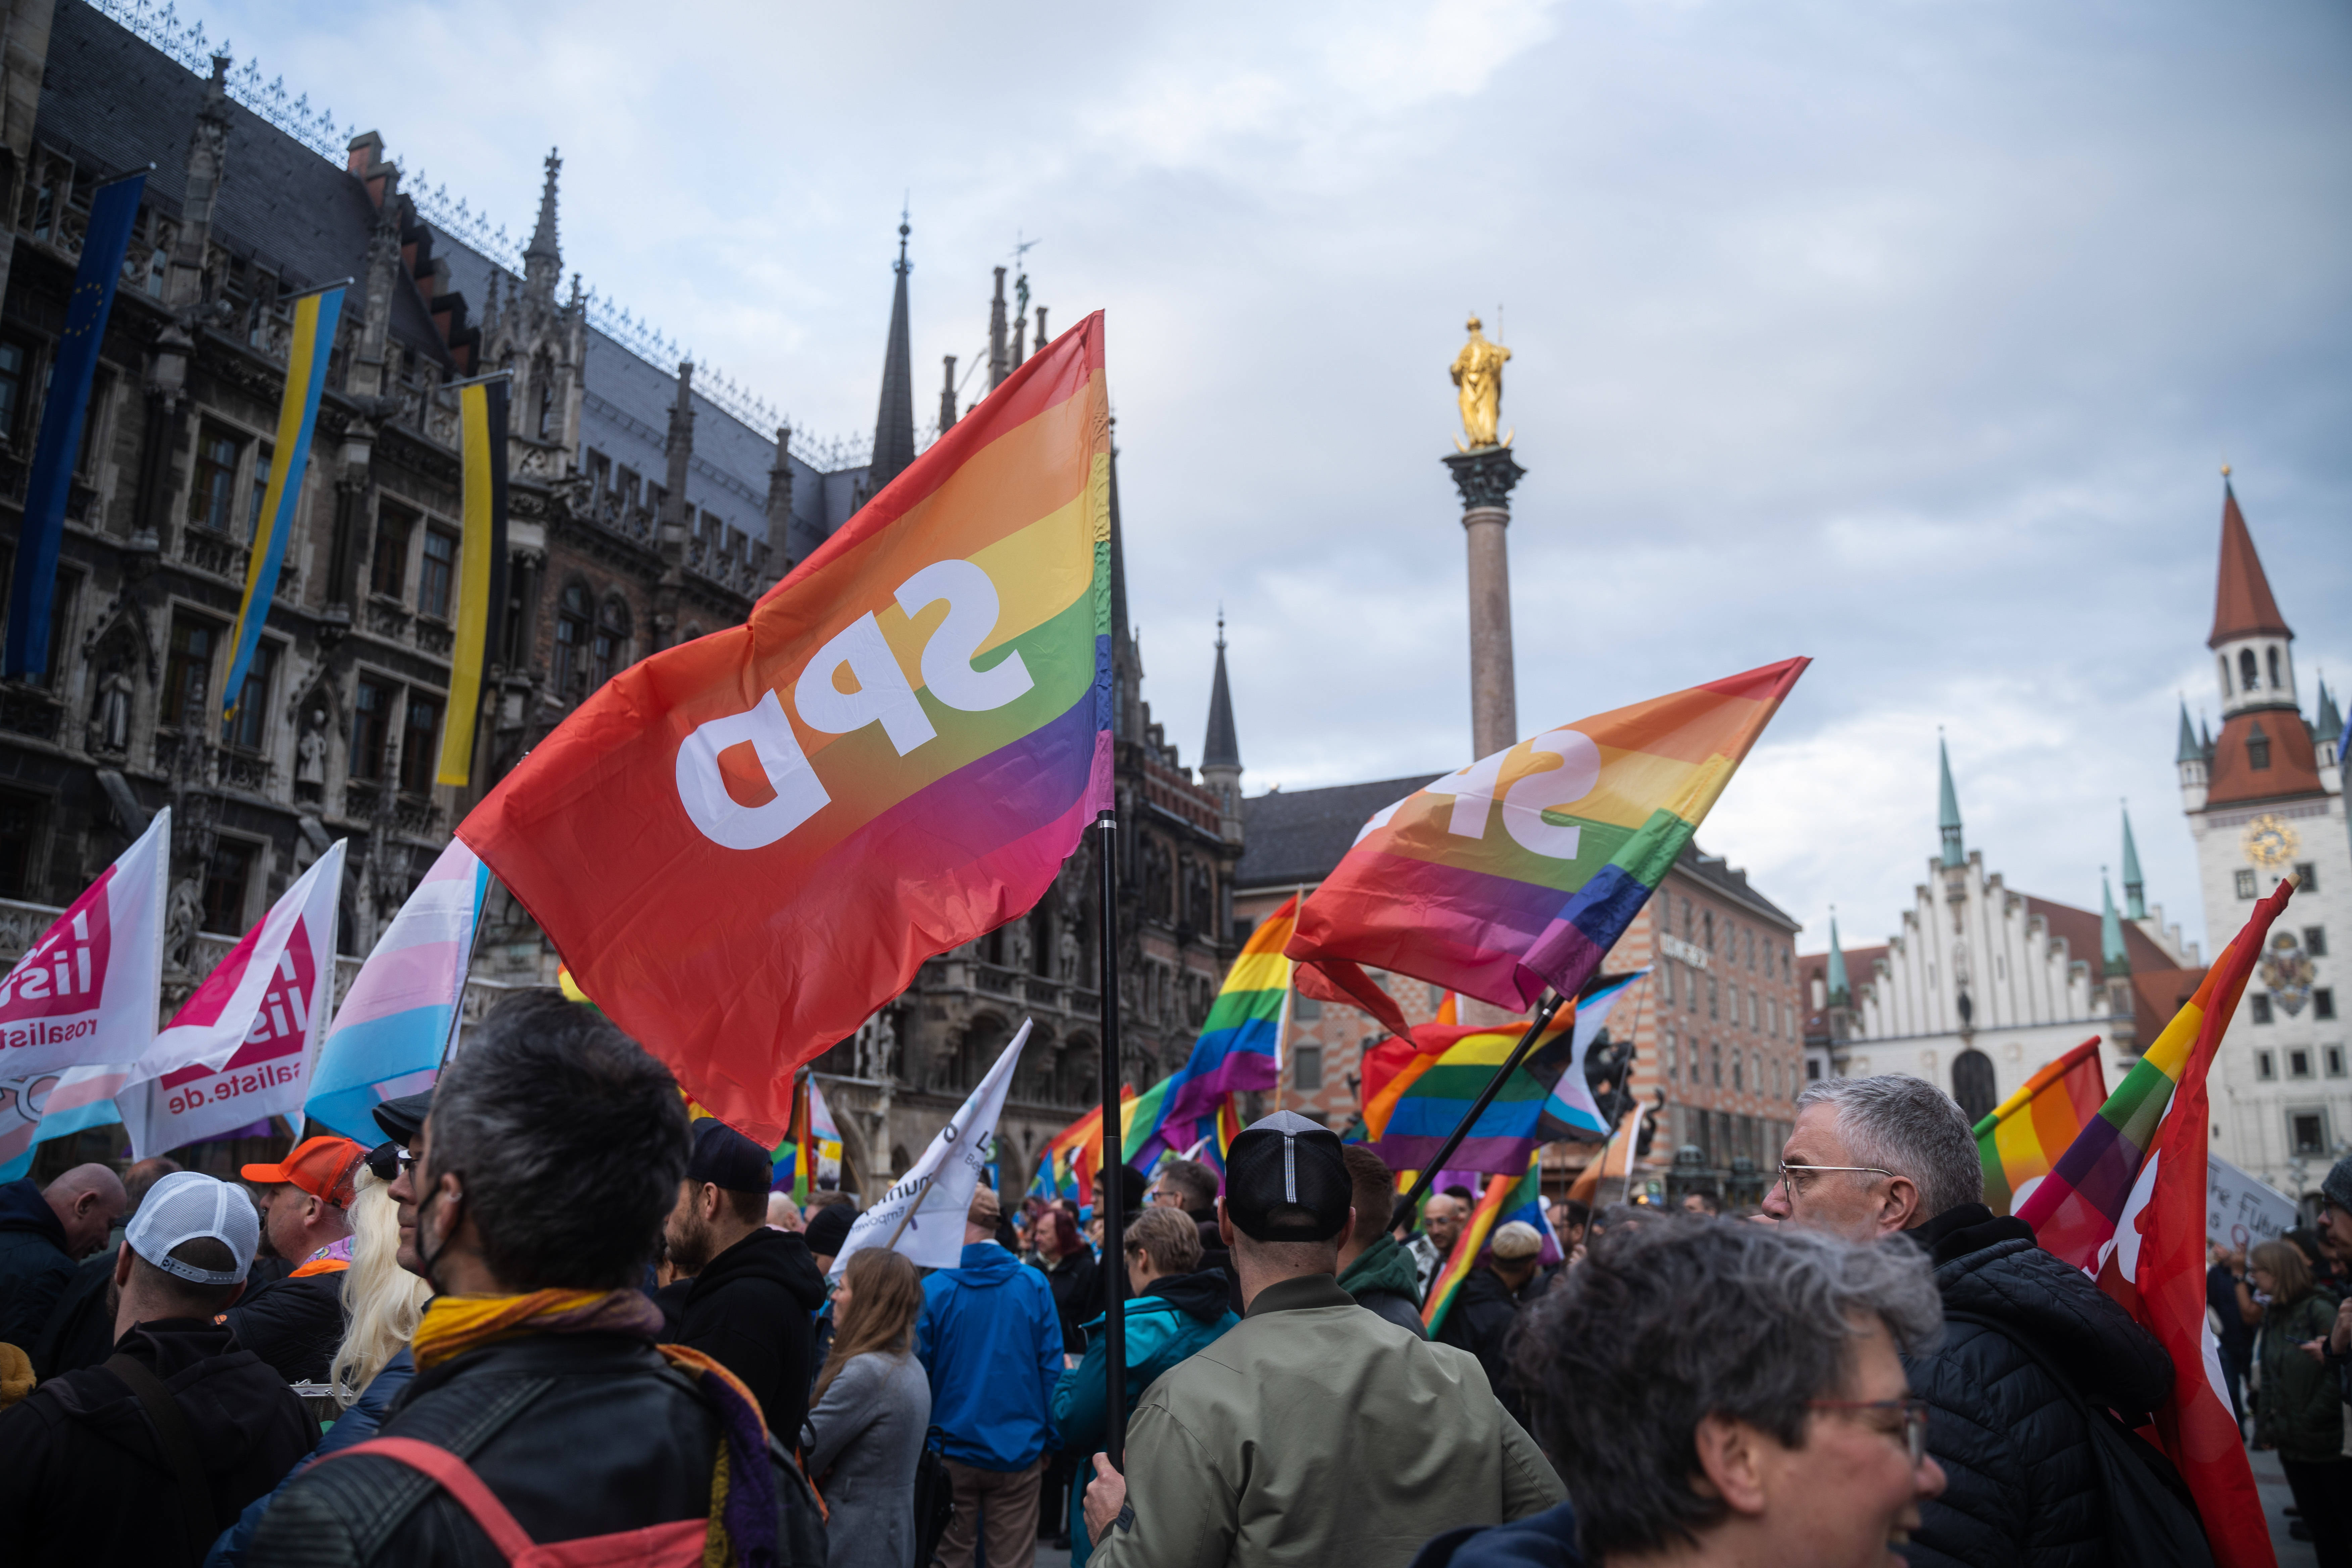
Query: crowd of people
{"x": 548, "y": 1309}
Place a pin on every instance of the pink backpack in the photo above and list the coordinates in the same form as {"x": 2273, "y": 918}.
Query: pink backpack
{"x": 678, "y": 1544}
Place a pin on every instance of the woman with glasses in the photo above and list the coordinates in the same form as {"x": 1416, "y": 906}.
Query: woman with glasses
{"x": 1715, "y": 1392}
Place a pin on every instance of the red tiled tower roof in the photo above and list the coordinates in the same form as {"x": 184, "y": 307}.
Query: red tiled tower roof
{"x": 2279, "y": 737}
{"x": 2242, "y": 604}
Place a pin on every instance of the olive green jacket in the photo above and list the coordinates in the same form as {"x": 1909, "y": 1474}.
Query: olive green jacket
{"x": 2298, "y": 1403}
{"x": 1318, "y": 1433}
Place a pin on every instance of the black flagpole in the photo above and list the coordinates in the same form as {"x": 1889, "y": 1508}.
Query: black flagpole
{"x": 1428, "y": 1176}
{"x": 1108, "y": 1176}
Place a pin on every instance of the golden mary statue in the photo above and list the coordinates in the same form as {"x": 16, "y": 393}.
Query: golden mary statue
{"x": 1478, "y": 371}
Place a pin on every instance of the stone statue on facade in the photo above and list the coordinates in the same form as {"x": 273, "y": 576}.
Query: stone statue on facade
{"x": 1068, "y": 967}
{"x": 184, "y": 914}
{"x": 1478, "y": 376}
{"x": 111, "y": 728}
{"x": 311, "y": 756}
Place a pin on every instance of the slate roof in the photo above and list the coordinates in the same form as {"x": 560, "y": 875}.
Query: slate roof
{"x": 1290, "y": 836}
{"x": 114, "y": 102}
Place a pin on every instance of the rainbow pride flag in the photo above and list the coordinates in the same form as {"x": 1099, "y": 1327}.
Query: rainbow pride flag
{"x": 892, "y": 756}
{"x": 1075, "y": 1153}
{"x": 1415, "y": 1111}
{"x": 813, "y": 1129}
{"x": 1507, "y": 1197}
{"x": 2022, "y": 1139}
{"x": 2074, "y": 1211}
{"x": 1521, "y": 870}
{"x": 1240, "y": 1043}
{"x": 1547, "y": 1101}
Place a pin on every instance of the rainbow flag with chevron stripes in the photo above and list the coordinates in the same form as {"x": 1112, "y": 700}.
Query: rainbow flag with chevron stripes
{"x": 1506, "y": 1199}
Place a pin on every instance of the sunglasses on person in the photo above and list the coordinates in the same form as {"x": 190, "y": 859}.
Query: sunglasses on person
{"x": 385, "y": 1161}
{"x": 1914, "y": 1411}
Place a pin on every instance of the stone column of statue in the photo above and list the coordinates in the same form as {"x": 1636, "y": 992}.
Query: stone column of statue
{"x": 1484, "y": 471}
{"x": 1478, "y": 374}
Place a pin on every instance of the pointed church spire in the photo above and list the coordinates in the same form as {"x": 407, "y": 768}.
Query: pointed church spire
{"x": 543, "y": 259}
{"x": 894, "y": 422}
{"x": 1841, "y": 993}
{"x": 1222, "y": 747}
{"x": 2242, "y": 604}
{"x": 2113, "y": 959}
{"x": 2328, "y": 726}
{"x": 2135, "y": 889}
{"x": 2190, "y": 748}
{"x": 1947, "y": 817}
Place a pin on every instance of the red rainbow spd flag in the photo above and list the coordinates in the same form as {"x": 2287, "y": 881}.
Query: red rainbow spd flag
{"x": 2126, "y": 1205}
{"x": 744, "y": 845}
{"x": 1522, "y": 870}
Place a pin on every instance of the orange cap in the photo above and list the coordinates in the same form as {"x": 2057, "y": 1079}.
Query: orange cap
{"x": 322, "y": 1167}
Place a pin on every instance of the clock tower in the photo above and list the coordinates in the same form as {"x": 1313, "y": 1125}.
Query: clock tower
{"x": 2264, "y": 798}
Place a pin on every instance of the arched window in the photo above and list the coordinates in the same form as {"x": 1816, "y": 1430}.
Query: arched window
{"x": 610, "y": 648}
{"x": 571, "y": 643}
{"x": 543, "y": 374}
{"x": 2249, "y": 674}
{"x": 1972, "y": 1085}
{"x": 2277, "y": 683}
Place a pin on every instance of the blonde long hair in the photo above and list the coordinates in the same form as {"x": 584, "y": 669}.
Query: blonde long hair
{"x": 382, "y": 1300}
{"x": 885, "y": 1297}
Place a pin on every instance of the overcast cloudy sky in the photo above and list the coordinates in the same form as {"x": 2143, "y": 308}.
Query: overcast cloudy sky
{"x": 1908, "y": 336}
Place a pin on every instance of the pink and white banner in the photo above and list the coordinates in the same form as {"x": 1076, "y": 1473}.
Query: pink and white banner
{"x": 89, "y": 988}
{"x": 241, "y": 1049}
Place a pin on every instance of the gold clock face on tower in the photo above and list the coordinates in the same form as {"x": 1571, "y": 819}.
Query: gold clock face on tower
{"x": 2269, "y": 842}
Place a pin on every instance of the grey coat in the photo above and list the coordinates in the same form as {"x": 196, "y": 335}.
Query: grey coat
{"x": 863, "y": 1441}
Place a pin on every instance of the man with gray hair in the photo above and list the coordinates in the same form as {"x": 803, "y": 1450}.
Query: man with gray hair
{"x": 1874, "y": 1158}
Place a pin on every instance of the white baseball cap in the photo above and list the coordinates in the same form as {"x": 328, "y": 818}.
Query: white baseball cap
{"x": 185, "y": 1206}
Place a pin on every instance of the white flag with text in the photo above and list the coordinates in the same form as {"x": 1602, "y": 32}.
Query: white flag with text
{"x": 241, "y": 1049}
{"x": 924, "y": 1209}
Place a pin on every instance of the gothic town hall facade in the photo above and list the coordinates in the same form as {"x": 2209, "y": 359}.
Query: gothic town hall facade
{"x": 643, "y": 510}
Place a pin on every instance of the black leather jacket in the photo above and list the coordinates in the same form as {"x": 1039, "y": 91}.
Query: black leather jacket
{"x": 2023, "y": 1486}
{"x": 578, "y": 1434}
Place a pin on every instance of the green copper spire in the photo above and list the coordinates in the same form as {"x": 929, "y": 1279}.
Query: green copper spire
{"x": 2113, "y": 959}
{"x": 2135, "y": 891}
{"x": 2190, "y": 750}
{"x": 1841, "y": 993}
{"x": 2328, "y": 728}
{"x": 1948, "y": 817}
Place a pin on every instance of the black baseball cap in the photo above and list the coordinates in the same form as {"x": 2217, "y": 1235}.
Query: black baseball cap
{"x": 728, "y": 1160}
{"x": 829, "y": 1228}
{"x": 401, "y": 1118}
{"x": 1286, "y": 1180}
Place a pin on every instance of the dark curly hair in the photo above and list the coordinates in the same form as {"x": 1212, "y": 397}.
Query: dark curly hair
{"x": 568, "y": 1141}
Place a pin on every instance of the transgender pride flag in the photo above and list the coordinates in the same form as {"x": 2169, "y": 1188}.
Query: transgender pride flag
{"x": 389, "y": 1036}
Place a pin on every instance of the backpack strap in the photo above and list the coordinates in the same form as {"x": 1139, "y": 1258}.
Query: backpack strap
{"x": 458, "y": 1478}
{"x": 178, "y": 1441}
{"x": 2155, "y": 1460}
{"x": 470, "y": 1419}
